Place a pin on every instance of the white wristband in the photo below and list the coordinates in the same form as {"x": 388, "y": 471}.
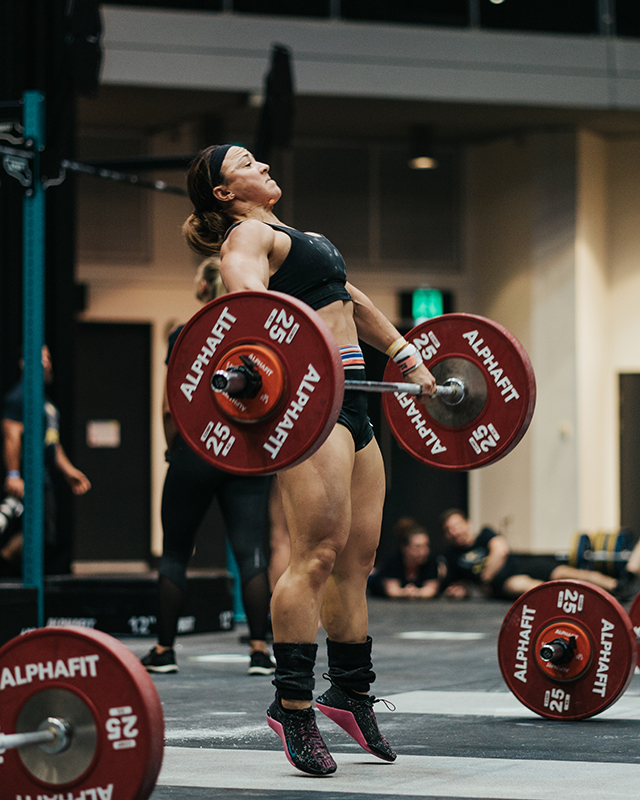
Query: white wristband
{"x": 408, "y": 358}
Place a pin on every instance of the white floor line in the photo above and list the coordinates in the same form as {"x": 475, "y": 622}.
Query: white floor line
{"x": 422, "y": 776}
{"x": 459, "y": 704}
{"x": 489, "y": 704}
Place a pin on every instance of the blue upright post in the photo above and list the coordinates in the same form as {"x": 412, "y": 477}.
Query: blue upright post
{"x": 239, "y": 614}
{"x": 33, "y": 339}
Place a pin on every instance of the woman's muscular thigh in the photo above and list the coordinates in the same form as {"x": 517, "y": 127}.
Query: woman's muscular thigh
{"x": 316, "y": 497}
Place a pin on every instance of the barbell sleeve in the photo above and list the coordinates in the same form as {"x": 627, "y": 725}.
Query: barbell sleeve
{"x": 230, "y": 381}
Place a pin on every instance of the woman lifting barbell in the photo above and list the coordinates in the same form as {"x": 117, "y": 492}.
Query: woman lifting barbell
{"x": 333, "y": 500}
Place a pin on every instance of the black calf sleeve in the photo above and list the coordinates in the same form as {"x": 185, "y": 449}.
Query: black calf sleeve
{"x": 294, "y": 669}
{"x": 350, "y": 666}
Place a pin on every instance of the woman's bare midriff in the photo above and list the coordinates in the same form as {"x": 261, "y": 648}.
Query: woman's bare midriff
{"x": 339, "y": 317}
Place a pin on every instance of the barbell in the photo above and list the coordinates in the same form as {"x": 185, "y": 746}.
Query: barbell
{"x": 255, "y": 384}
{"x": 84, "y": 717}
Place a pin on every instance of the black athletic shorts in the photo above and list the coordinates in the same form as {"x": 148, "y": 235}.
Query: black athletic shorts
{"x": 353, "y": 414}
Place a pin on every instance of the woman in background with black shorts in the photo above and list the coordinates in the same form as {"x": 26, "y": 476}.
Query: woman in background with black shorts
{"x": 190, "y": 486}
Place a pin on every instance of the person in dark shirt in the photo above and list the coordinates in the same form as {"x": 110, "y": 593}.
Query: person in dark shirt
{"x": 484, "y": 559}
{"x": 410, "y": 570}
{"x": 58, "y": 547}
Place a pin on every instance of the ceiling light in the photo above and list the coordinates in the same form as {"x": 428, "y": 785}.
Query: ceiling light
{"x": 421, "y": 155}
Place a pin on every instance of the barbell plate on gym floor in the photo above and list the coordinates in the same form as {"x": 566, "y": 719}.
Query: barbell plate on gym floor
{"x": 607, "y": 545}
{"x": 500, "y": 394}
{"x": 600, "y": 542}
{"x": 310, "y": 384}
{"x": 93, "y": 682}
{"x": 622, "y": 548}
{"x": 580, "y": 544}
{"x": 605, "y": 650}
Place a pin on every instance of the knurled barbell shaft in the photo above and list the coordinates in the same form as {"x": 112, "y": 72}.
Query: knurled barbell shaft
{"x": 12, "y": 741}
{"x": 231, "y": 381}
{"x": 444, "y": 392}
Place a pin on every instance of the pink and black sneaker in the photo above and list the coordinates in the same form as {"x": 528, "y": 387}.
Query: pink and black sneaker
{"x": 357, "y": 718}
{"x": 303, "y": 744}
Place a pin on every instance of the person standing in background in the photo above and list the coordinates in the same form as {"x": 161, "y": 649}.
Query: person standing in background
{"x": 57, "y": 548}
{"x": 190, "y": 486}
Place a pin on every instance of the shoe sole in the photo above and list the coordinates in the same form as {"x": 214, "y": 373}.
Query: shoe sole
{"x": 278, "y": 728}
{"x": 346, "y": 720}
{"x": 261, "y": 670}
{"x": 163, "y": 670}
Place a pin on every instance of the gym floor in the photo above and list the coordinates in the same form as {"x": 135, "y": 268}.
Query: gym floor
{"x": 458, "y": 730}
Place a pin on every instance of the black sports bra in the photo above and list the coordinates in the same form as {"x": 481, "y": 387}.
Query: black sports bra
{"x": 313, "y": 271}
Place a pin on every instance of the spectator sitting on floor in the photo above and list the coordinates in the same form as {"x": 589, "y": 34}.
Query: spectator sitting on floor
{"x": 483, "y": 559}
{"x": 410, "y": 570}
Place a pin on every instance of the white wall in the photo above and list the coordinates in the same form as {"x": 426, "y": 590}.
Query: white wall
{"x": 499, "y": 263}
{"x": 597, "y": 401}
{"x": 623, "y": 202}
{"x": 553, "y": 243}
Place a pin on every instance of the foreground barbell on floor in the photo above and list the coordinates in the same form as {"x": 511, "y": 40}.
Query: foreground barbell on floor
{"x": 255, "y": 384}
{"x": 79, "y": 715}
{"x": 567, "y": 650}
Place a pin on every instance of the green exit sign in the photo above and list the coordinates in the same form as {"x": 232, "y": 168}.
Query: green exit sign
{"x": 426, "y": 303}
